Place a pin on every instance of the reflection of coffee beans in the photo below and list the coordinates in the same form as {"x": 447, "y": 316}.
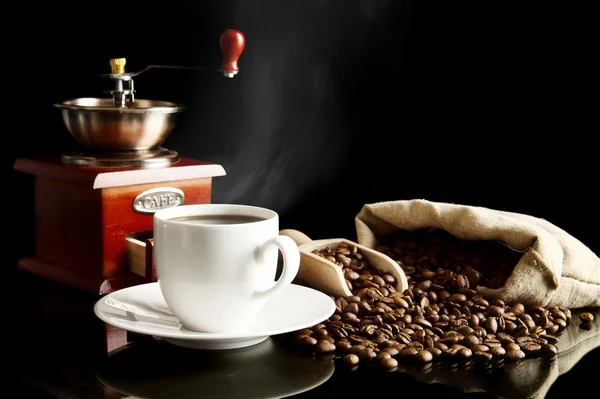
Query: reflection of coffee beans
{"x": 440, "y": 317}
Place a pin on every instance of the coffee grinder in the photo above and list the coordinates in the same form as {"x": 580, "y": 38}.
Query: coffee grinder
{"x": 94, "y": 206}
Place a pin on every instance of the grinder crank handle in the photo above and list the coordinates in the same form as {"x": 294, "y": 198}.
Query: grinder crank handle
{"x": 232, "y": 43}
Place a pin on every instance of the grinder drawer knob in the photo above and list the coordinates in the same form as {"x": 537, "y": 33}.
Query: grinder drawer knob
{"x": 232, "y": 44}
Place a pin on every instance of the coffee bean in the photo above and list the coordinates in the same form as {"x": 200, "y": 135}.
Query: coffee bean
{"x": 367, "y": 354}
{"x": 512, "y": 346}
{"x": 306, "y": 340}
{"x": 465, "y": 330}
{"x": 389, "y": 363}
{"x": 319, "y": 332}
{"x": 424, "y": 285}
{"x": 351, "y": 308}
{"x": 509, "y": 327}
{"x": 417, "y": 345}
{"x": 441, "y": 346}
{"x": 481, "y": 303}
{"x": 524, "y": 339}
{"x": 514, "y": 355}
{"x": 351, "y": 359}
{"x": 324, "y": 346}
{"x": 465, "y": 353}
{"x": 495, "y": 310}
{"x": 497, "y": 351}
{"x": 450, "y": 352}
{"x": 480, "y": 332}
{"x": 527, "y": 320}
{"x": 586, "y": 317}
{"x": 378, "y": 280}
{"x": 480, "y": 348}
{"x": 491, "y": 324}
{"x": 471, "y": 340}
{"x": 551, "y": 339}
{"x": 424, "y": 356}
{"x": 420, "y": 320}
{"x": 550, "y": 350}
{"x": 401, "y": 302}
{"x": 391, "y": 350}
{"x": 408, "y": 353}
{"x": 504, "y": 338}
{"x": 492, "y": 342}
{"x": 562, "y": 324}
{"x": 435, "y": 352}
{"x": 355, "y": 349}
{"x": 351, "y": 275}
{"x": 343, "y": 345}
{"x": 350, "y": 318}
{"x": 518, "y": 309}
{"x": 481, "y": 356}
{"x": 328, "y": 338}
{"x": 457, "y": 298}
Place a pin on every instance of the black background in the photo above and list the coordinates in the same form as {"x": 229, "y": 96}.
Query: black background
{"x": 338, "y": 103}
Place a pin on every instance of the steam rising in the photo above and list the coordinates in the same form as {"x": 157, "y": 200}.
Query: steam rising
{"x": 285, "y": 118}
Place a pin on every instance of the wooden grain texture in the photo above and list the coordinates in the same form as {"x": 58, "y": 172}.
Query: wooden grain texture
{"x": 118, "y": 219}
{"x": 68, "y": 224}
{"x": 53, "y": 168}
{"x": 140, "y": 255}
{"x": 326, "y": 276}
{"x": 80, "y": 229}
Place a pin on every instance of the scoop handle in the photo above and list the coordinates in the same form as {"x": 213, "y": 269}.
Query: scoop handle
{"x": 299, "y": 237}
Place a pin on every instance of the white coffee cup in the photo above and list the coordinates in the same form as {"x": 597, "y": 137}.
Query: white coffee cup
{"x": 216, "y": 263}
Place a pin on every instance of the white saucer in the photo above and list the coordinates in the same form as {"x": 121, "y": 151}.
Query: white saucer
{"x": 293, "y": 308}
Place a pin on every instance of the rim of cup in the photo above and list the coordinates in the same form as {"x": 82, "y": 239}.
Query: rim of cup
{"x": 169, "y": 215}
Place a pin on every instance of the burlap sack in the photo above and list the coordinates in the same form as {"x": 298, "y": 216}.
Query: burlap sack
{"x": 556, "y": 269}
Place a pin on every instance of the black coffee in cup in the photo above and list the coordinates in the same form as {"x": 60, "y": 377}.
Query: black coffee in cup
{"x": 218, "y": 219}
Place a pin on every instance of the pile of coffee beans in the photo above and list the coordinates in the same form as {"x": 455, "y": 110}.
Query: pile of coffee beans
{"x": 440, "y": 317}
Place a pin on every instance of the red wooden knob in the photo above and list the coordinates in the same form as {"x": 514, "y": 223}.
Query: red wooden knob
{"x": 232, "y": 44}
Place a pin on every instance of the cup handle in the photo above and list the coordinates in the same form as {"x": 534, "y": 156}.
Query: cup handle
{"x": 291, "y": 263}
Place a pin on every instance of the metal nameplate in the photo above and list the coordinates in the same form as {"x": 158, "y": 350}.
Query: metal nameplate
{"x": 158, "y": 198}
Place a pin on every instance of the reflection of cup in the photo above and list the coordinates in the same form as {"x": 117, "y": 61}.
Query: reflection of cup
{"x": 216, "y": 264}
{"x": 155, "y": 370}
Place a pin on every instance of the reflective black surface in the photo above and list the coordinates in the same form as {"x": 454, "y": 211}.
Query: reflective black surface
{"x": 338, "y": 103}
{"x": 56, "y": 342}
{"x": 161, "y": 370}
{"x": 275, "y": 369}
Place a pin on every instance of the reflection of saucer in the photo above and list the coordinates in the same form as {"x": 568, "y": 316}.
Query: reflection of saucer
{"x": 158, "y": 370}
{"x": 292, "y": 308}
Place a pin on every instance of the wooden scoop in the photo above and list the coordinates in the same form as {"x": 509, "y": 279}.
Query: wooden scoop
{"x": 328, "y": 277}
